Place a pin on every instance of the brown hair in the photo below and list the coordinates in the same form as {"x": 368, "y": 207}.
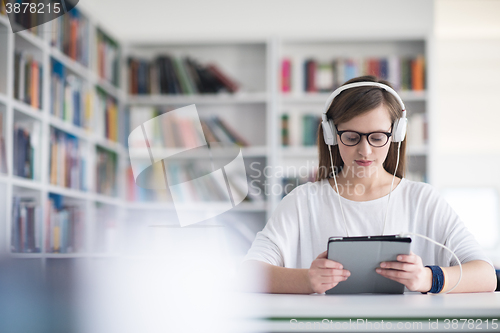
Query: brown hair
{"x": 352, "y": 103}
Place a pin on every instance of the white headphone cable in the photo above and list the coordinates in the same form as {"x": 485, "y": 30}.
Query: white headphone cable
{"x": 392, "y": 185}
{"x": 403, "y": 234}
{"x": 340, "y": 203}
{"x": 338, "y": 193}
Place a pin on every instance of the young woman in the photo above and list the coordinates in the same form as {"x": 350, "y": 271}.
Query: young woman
{"x": 288, "y": 255}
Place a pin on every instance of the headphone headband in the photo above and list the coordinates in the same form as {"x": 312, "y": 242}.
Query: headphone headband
{"x": 329, "y": 131}
{"x": 363, "y": 84}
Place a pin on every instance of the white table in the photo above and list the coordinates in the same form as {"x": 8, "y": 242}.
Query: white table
{"x": 366, "y": 313}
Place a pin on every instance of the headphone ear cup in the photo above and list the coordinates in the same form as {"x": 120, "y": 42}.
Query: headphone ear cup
{"x": 334, "y": 131}
{"x": 399, "y": 130}
{"x": 329, "y": 132}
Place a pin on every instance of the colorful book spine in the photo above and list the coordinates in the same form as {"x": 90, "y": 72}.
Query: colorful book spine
{"x": 64, "y": 226}
{"x": 171, "y": 75}
{"x": 286, "y": 75}
{"x": 404, "y": 73}
{"x": 69, "y": 97}
{"x": 26, "y": 230}
{"x": 108, "y": 119}
{"x": 28, "y": 79}
{"x": 26, "y": 149}
{"x": 108, "y": 58}
{"x": 179, "y": 133}
{"x": 285, "y": 137}
{"x": 66, "y": 161}
{"x": 70, "y": 34}
{"x": 139, "y": 194}
{"x": 106, "y": 172}
{"x": 310, "y": 129}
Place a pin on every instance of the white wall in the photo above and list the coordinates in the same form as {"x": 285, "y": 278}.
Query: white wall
{"x": 466, "y": 91}
{"x": 169, "y": 20}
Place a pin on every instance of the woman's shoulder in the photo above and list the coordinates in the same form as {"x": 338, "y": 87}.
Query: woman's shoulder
{"x": 413, "y": 188}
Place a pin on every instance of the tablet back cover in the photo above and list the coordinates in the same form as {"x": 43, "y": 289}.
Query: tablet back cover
{"x": 361, "y": 258}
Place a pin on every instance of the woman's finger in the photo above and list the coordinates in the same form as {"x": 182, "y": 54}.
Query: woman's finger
{"x": 398, "y": 266}
{"x": 390, "y": 273}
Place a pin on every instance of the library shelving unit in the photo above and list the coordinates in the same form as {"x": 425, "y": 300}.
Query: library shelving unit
{"x": 247, "y": 111}
{"x": 62, "y": 140}
{"x": 303, "y": 91}
{"x": 66, "y": 167}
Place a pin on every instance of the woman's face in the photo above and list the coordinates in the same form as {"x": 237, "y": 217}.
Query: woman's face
{"x": 363, "y": 159}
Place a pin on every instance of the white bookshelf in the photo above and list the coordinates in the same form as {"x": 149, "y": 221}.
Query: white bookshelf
{"x": 254, "y": 111}
{"x": 297, "y": 103}
{"x": 248, "y": 111}
{"x": 39, "y": 188}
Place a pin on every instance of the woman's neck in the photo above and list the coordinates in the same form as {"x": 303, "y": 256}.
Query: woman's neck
{"x": 361, "y": 184}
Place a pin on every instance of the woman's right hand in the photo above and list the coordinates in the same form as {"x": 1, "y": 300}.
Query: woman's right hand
{"x": 325, "y": 274}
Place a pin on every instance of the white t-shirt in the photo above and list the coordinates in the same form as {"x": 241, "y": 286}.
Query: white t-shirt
{"x": 299, "y": 229}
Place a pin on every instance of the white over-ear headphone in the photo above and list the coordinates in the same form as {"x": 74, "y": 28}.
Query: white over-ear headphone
{"x": 329, "y": 131}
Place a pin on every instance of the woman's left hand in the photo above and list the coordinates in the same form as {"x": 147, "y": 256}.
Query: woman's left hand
{"x": 408, "y": 270}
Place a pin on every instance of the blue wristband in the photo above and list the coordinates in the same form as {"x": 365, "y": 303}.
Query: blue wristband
{"x": 437, "y": 279}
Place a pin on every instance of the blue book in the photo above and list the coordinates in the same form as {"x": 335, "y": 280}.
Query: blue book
{"x": 384, "y": 69}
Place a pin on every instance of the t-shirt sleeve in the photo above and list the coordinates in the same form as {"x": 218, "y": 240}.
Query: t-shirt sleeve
{"x": 277, "y": 243}
{"x": 451, "y": 231}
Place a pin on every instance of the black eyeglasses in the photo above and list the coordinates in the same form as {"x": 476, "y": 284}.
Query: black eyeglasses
{"x": 375, "y": 139}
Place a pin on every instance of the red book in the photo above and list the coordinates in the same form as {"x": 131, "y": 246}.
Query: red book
{"x": 73, "y": 38}
{"x": 231, "y": 85}
{"x": 286, "y": 75}
{"x": 311, "y": 76}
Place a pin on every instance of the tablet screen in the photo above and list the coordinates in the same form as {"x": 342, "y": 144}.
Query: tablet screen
{"x": 361, "y": 256}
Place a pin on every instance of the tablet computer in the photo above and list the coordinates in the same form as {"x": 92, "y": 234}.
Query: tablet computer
{"x": 361, "y": 256}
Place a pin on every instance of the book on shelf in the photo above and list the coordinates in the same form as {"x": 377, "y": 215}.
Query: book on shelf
{"x": 417, "y": 130}
{"x": 136, "y": 193}
{"x": 28, "y": 77}
{"x": 70, "y": 98}
{"x": 26, "y": 228}
{"x": 175, "y": 75}
{"x": 64, "y": 226}
{"x": 107, "y": 58}
{"x": 206, "y": 189}
{"x": 107, "y": 118}
{"x": 25, "y": 18}
{"x": 70, "y": 34}
{"x": 285, "y": 128}
{"x": 67, "y": 163}
{"x": 299, "y": 129}
{"x": 26, "y": 149}
{"x": 403, "y": 72}
{"x": 310, "y": 124}
{"x": 286, "y": 75}
{"x": 3, "y": 152}
{"x": 178, "y": 133}
{"x": 106, "y": 172}
{"x": 310, "y": 67}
